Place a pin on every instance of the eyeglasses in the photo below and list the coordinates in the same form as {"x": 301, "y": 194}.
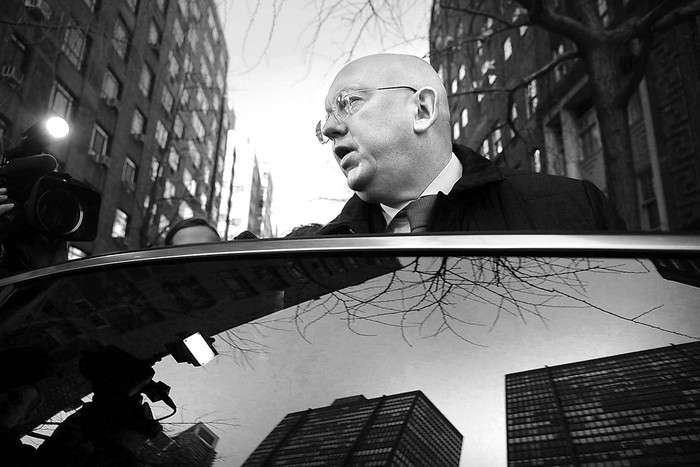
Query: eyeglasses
{"x": 344, "y": 105}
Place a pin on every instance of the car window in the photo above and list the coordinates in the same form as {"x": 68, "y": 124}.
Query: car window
{"x": 298, "y": 332}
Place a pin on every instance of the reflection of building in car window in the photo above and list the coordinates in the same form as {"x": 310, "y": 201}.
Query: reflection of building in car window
{"x": 400, "y": 429}
{"x": 588, "y": 404}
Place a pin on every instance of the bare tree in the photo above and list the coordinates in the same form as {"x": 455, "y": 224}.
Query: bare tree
{"x": 614, "y": 55}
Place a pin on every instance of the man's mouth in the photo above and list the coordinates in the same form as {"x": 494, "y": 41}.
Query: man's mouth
{"x": 341, "y": 151}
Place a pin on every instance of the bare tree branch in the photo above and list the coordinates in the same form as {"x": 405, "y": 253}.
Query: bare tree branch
{"x": 566, "y": 26}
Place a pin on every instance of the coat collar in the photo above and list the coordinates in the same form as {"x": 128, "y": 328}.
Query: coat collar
{"x": 364, "y": 217}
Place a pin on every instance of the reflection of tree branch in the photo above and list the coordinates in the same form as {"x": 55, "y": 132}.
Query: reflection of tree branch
{"x": 429, "y": 295}
{"x": 484, "y": 13}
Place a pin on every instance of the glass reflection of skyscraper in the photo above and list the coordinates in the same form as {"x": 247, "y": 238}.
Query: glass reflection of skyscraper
{"x": 402, "y": 429}
{"x": 634, "y": 409}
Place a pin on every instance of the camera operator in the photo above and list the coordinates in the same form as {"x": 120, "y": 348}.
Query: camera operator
{"x": 109, "y": 431}
{"x": 21, "y": 248}
{"x": 19, "y": 395}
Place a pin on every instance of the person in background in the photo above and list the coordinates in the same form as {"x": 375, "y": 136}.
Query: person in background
{"x": 306, "y": 230}
{"x": 192, "y": 230}
{"x": 388, "y": 118}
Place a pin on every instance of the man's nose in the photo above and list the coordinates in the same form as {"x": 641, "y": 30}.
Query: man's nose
{"x": 333, "y": 128}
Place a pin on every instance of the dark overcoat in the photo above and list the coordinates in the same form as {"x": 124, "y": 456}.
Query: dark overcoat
{"x": 488, "y": 198}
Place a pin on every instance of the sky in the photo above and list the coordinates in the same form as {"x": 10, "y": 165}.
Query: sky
{"x": 242, "y": 397}
{"x": 278, "y": 95}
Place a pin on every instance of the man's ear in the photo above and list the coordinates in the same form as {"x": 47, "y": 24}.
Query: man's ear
{"x": 426, "y": 109}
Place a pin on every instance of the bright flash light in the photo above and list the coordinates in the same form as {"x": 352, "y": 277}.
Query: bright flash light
{"x": 57, "y": 127}
{"x": 199, "y": 348}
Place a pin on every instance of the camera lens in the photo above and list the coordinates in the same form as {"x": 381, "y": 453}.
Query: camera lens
{"x": 59, "y": 212}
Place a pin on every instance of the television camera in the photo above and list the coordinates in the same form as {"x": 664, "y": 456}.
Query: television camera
{"x": 48, "y": 204}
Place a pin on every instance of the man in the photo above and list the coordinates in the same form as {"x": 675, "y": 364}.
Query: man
{"x": 389, "y": 120}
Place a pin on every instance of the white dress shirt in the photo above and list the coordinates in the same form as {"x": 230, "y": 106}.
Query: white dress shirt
{"x": 444, "y": 182}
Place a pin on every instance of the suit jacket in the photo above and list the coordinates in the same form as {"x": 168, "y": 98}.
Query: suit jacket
{"x": 487, "y": 198}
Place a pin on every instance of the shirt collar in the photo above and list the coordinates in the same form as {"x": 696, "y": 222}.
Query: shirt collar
{"x": 444, "y": 182}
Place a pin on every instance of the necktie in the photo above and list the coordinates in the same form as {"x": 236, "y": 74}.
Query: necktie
{"x": 418, "y": 213}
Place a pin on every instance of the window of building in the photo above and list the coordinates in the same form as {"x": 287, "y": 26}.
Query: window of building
{"x": 146, "y": 81}
{"x": 173, "y": 65}
{"x": 192, "y": 38}
{"x": 17, "y": 55}
{"x": 184, "y": 210}
{"x": 173, "y": 159}
{"x": 167, "y": 99}
{"x": 487, "y": 67}
{"x": 161, "y": 134}
{"x": 531, "y": 97}
{"x": 195, "y": 156}
{"x": 184, "y": 11}
{"x": 210, "y": 152}
{"x": 198, "y": 126}
{"x": 194, "y": 9}
{"x": 465, "y": 117}
{"x": 138, "y": 123}
{"x": 99, "y": 142}
{"x": 153, "y": 34}
{"x": 603, "y": 12}
{"x": 74, "y": 45}
{"x": 485, "y": 149}
{"x": 111, "y": 87}
{"x": 120, "y": 228}
{"x": 133, "y": 5}
{"x": 121, "y": 39}
{"x": 163, "y": 223}
{"x": 156, "y": 169}
{"x": 178, "y": 34}
{"x": 61, "y": 101}
{"x": 189, "y": 182}
{"x": 560, "y": 69}
{"x": 204, "y": 69}
{"x": 507, "y": 48}
{"x": 187, "y": 64}
{"x": 208, "y": 50}
{"x": 129, "y": 171}
{"x": 178, "y": 127}
{"x": 169, "y": 190}
{"x": 184, "y": 99}
{"x": 536, "y": 161}
{"x": 455, "y": 131}
{"x": 496, "y": 141}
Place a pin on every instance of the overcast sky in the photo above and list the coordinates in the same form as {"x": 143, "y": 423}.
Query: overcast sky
{"x": 278, "y": 97}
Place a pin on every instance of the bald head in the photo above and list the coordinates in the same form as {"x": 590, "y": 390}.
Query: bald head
{"x": 382, "y": 70}
{"x": 388, "y": 118}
